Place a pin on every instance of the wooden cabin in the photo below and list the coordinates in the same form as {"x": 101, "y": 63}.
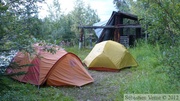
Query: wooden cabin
{"x": 121, "y": 27}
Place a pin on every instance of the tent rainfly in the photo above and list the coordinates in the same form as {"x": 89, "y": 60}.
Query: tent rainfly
{"x": 59, "y": 69}
{"x": 109, "y": 56}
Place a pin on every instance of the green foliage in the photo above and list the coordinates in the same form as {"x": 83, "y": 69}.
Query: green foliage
{"x": 54, "y": 10}
{"x": 160, "y": 19}
{"x": 123, "y": 5}
{"x": 171, "y": 60}
{"x": 60, "y": 27}
{"x": 150, "y": 77}
{"x": 3, "y": 83}
{"x": 19, "y": 23}
{"x": 82, "y": 15}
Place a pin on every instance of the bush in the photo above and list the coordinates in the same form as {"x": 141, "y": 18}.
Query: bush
{"x": 171, "y": 61}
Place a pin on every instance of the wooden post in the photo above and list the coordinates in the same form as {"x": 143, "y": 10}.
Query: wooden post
{"x": 118, "y": 21}
{"x": 138, "y": 33}
{"x": 81, "y": 37}
{"x": 121, "y": 29}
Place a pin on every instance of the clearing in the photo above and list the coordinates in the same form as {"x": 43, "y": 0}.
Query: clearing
{"x": 105, "y": 87}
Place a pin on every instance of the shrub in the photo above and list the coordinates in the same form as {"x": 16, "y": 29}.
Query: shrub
{"x": 171, "y": 61}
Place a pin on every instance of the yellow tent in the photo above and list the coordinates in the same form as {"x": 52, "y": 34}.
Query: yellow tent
{"x": 109, "y": 56}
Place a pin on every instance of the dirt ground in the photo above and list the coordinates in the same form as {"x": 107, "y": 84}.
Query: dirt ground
{"x": 105, "y": 87}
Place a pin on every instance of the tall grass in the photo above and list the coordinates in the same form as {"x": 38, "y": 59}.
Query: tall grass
{"x": 150, "y": 77}
{"x": 27, "y": 92}
{"x": 81, "y": 53}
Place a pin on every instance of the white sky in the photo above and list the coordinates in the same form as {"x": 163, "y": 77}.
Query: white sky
{"x": 104, "y": 8}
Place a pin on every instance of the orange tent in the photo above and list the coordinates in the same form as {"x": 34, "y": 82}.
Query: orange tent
{"x": 59, "y": 69}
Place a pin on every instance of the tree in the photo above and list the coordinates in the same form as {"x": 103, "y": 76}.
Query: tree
{"x": 161, "y": 19}
{"x": 123, "y": 5}
{"x": 57, "y": 25}
{"x": 54, "y": 10}
{"x": 82, "y": 15}
{"x": 64, "y": 27}
{"x": 17, "y": 19}
{"x": 67, "y": 34}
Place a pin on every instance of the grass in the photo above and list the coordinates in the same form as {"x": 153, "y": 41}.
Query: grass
{"x": 81, "y": 53}
{"x": 28, "y": 92}
{"x": 148, "y": 78}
